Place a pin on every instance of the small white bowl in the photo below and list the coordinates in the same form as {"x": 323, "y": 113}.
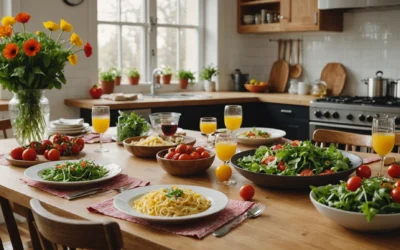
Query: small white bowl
{"x": 248, "y": 19}
{"x": 357, "y": 221}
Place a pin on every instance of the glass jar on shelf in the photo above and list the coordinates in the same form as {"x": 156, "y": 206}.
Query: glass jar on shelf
{"x": 318, "y": 88}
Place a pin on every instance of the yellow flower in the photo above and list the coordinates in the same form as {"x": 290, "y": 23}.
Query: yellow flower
{"x": 8, "y": 20}
{"x": 65, "y": 26}
{"x": 75, "y": 40}
{"x": 73, "y": 59}
{"x": 52, "y": 26}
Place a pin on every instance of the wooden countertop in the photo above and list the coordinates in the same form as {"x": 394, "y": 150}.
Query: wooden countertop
{"x": 213, "y": 98}
{"x": 289, "y": 218}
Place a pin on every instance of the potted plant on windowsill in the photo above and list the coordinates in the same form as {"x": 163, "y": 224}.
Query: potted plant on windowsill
{"x": 207, "y": 74}
{"x": 166, "y": 75}
{"x": 118, "y": 76}
{"x": 185, "y": 76}
{"x": 107, "y": 81}
{"x": 134, "y": 77}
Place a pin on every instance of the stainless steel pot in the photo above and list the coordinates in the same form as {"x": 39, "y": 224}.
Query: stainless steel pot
{"x": 393, "y": 89}
{"x": 397, "y": 84}
{"x": 377, "y": 86}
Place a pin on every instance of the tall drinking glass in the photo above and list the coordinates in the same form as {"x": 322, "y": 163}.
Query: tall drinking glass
{"x": 225, "y": 148}
{"x": 208, "y": 125}
{"x": 383, "y": 138}
{"x": 101, "y": 122}
{"x": 233, "y": 116}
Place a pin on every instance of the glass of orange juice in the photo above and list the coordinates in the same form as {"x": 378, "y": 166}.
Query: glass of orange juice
{"x": 208, "y": 125}
{"x": 383, "y": 138}
{"x": 100, "y": 123}
{"x": 225, "y": 148}
{"x": 233, "y": 116}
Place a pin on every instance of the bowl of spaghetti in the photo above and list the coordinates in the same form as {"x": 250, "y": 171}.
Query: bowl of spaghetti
{"x": 171, "y": 203}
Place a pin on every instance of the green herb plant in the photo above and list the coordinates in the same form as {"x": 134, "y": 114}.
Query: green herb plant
{"x": 166, "y": 70}
{"x": 107, "y": 76}
{"x": 134, "y": 73}
{"x": 116, "y": 72}
{"x": 186, "y": 74}
{"x": 174, "y": 193}
{"x": 208, "y": 72}
{"x": 131, "y": 125}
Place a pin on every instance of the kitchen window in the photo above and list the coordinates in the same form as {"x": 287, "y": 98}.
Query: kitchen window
{"x": 145, "y": 34}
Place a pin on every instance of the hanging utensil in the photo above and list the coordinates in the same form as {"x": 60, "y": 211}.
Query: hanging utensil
{"x": 296, "y": 70}
{"x": 279, "y": 74}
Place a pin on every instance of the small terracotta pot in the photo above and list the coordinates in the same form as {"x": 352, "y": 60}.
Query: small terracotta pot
{"x": 183, "y": 83}
{"x": 158, "y": 79}
{"x": 107, "y": 86}
{"x": 117, "y": 80}
{"x": 166, "y": 79}
{"x": 134, "y": 80}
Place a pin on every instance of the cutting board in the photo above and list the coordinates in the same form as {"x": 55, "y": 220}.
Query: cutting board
{"x": 335, "y": 77}
{"x": 279, "y": 74}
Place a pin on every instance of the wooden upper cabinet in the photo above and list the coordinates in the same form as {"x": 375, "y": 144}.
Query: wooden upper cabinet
{"x": 299, "y": 15}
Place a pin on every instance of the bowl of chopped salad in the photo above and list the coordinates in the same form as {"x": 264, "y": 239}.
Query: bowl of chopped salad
{"x": 373, "y": 206}
{"x": 295, "y": 165}
{"x": 259, "y": 136}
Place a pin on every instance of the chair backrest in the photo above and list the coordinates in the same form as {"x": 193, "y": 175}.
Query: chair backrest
{"x": 55, "y": 230}
{"x": 351, "y": 141}
{"x": 4, "y": 125}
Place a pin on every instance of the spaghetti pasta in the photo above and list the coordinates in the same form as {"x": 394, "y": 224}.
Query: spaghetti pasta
{"x": 172, "y": 202}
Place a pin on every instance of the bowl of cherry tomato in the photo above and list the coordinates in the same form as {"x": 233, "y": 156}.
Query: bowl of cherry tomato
{"x": 185, "y": 160}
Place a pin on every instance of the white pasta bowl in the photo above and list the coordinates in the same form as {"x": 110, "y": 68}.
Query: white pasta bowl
{"x": 124, "y": 202}
{"x": 357, "y": 221}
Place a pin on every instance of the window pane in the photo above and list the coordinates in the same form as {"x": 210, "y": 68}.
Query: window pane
{"x": 167, "y": 47}
{"x": 133, "y": 50}
{"x": 132, "y": 11}
{"x": 107, "y": 40}
{"x": 167, "y": 11}
{"x": 107, "y": 10}
{"x": 189, "y": 55}
{"x": 189, "y": 12}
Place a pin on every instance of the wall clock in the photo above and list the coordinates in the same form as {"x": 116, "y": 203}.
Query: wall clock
{"x": 73, "y": 2}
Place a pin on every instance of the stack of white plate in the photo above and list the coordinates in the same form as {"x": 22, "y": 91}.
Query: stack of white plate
{"x": 68, "y": 127}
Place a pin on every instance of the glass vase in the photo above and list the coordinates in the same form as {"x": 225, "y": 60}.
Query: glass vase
{"x": 29, "y": 113}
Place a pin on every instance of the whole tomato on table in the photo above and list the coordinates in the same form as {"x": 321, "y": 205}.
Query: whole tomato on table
{"x": 96, "y": 91}
{"x": 394, "y": 170}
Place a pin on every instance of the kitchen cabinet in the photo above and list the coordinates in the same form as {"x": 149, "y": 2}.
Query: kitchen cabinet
{"x": 294, "y": 15}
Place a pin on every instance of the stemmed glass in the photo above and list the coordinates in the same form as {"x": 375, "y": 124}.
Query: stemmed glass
{"x": 208, "y": 125}
{"x": 169, "y": 124}
{"x": 101, "y": 122}
{"x": 383, "y": 138}
{"x": 233, "y": 116}
{"x": 225, "y": 148}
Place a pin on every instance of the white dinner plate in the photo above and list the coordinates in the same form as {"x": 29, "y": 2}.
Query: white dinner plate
{"x": 124, "y": 203}
{"x": 34, "y": 172}
{"x": 275, "y": 134}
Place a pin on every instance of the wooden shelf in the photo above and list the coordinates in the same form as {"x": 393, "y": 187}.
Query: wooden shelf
{"x": 258, "y": 2}
{"x": 258, "y": 28}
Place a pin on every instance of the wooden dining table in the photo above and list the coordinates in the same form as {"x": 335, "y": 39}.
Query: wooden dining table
{"x": 289, "y": 221}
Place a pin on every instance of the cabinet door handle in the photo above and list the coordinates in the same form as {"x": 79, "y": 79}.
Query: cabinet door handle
{"x": 315, "y": 17}
{"x": 286, "y": 111}
{"x": 282, "y": 17}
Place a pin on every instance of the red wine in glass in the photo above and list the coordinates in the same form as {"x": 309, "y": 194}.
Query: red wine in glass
{"x": 169, "y": 129}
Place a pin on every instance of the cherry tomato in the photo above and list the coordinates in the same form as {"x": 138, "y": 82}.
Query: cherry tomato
{"x": 363, "y": 171}
{"x": 327, "y": 171}
{"x": 16, "y": 153}
{"x": 397, "y": 184}
{"x": 268, "y": 159}
{"x": 295, "y": 143}
{"x": 57, "y": 138}
{"x": 353, "y": 183}
{"x": 176, "y": 156}
{"x": 387, "y": 185}
{"x": 395, "y": 193}
{"x": 171, "y": 150}
{"x": 181, "y": 149}
{"x": 194, "y": 156}
{"x": 81, "y": 143}
{"x": 54, "y": 155}
{"x": 46, "y": 154}
{"x": 277, "y": 147}
{"x": 37, "y": 146}
{"x": 75, "y": 149}
{"x": 281, "y": 166}
{"x": 204, "y": 155}
{"x": 200, "y": 150}
{"x": 66, "y": 149}
{"x": 189, "y": 149}
{"x": 169, "y": 155}
{"x": 83, "y": 164}
{"x": 223, "y": 172}
{"x": 306, "y": 172}
{"x": 247, "y": 192}
{"x": 184, "y": 157}
{"x": 29, "y": 154}
{"x": 394, "y": 170}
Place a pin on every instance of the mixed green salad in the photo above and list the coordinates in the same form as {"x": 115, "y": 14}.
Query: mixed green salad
{"x": 374, "y": 196}
{"x": 131, "y": 125}
{"x": 295, "y": 158}
{"x": 255, "y": 134}
{"x": 84, "y": 170}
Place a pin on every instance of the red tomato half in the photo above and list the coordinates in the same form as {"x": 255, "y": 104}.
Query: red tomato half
{"x": 247, "y": 192}
{"x": 353, "y": 183}
{"x": 306, "y": 172}
{"x": 363, "y": 171}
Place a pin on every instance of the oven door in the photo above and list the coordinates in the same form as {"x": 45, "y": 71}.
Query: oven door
{"x": 340, "y": 127}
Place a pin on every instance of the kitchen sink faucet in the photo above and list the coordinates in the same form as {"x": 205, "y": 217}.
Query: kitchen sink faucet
{"x": 153, "y": 85}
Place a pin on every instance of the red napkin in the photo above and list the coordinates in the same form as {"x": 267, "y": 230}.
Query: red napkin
{"x": 371, "y": 159}
{"x": 199, "y": 228}
{"x": 95, "y": 138}
{"x": 121, "y": 180}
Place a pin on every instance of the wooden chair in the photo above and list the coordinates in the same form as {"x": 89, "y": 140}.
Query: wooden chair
{"x": 351, "y": 141}
{"x": 4, "y": 125}
{"x": 71, "y": 234}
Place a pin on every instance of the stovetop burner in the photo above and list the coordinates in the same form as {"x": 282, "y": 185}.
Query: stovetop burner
{"x": 362, "y": 100}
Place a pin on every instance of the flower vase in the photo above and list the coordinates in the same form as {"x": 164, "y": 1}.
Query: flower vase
{"x": 29, "y": 114}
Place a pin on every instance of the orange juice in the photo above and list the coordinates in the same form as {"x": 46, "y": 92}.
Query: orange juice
{"x": 225, "y": 150}
{"x": 233, "y": 122}
{"x": 101, "y": 123}
{"x": 383, "y": 143}
{"x": 208, "y": 127}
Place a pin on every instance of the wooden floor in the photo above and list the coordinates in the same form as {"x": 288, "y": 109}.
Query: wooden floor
{"x": 23, "y": 230}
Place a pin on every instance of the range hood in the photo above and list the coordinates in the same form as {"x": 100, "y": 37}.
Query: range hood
{"x": 352, "y": 4}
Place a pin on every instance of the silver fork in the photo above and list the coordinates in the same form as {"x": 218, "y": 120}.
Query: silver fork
{"x": 123, "y": 188}
{"x": 255, "y": 211}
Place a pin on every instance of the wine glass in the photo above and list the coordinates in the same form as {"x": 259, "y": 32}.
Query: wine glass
{"x": 225, "y": 148}
{"x": 101, "y": 122}
{"x": 383, "y": 138}
{"x": 169, "y": 123}
{"x": 208, "y": 125}
{"x": 233, "y": 116}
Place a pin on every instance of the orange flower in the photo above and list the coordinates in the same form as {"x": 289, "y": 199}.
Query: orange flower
{"x": 88, "y": 49}
{"x": 22, "y": 17}
{"x": 31, "y": 47}
{"x": 5, "y": 31}
{"x": 10, "y": 51}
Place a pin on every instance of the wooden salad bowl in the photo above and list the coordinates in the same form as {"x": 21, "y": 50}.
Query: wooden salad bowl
{"x": 185, "y": 168}
{"x": 256, "y": 88}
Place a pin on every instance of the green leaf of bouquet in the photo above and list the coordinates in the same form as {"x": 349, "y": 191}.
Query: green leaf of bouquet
{"x": 38, "y": 71}
{"x": 46, "y": 60}
{"x": 61, "y": 77}
{"x": 31, "y": 77}
{"x": 58, "y": 84}
{"x": 19, "y": 71}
